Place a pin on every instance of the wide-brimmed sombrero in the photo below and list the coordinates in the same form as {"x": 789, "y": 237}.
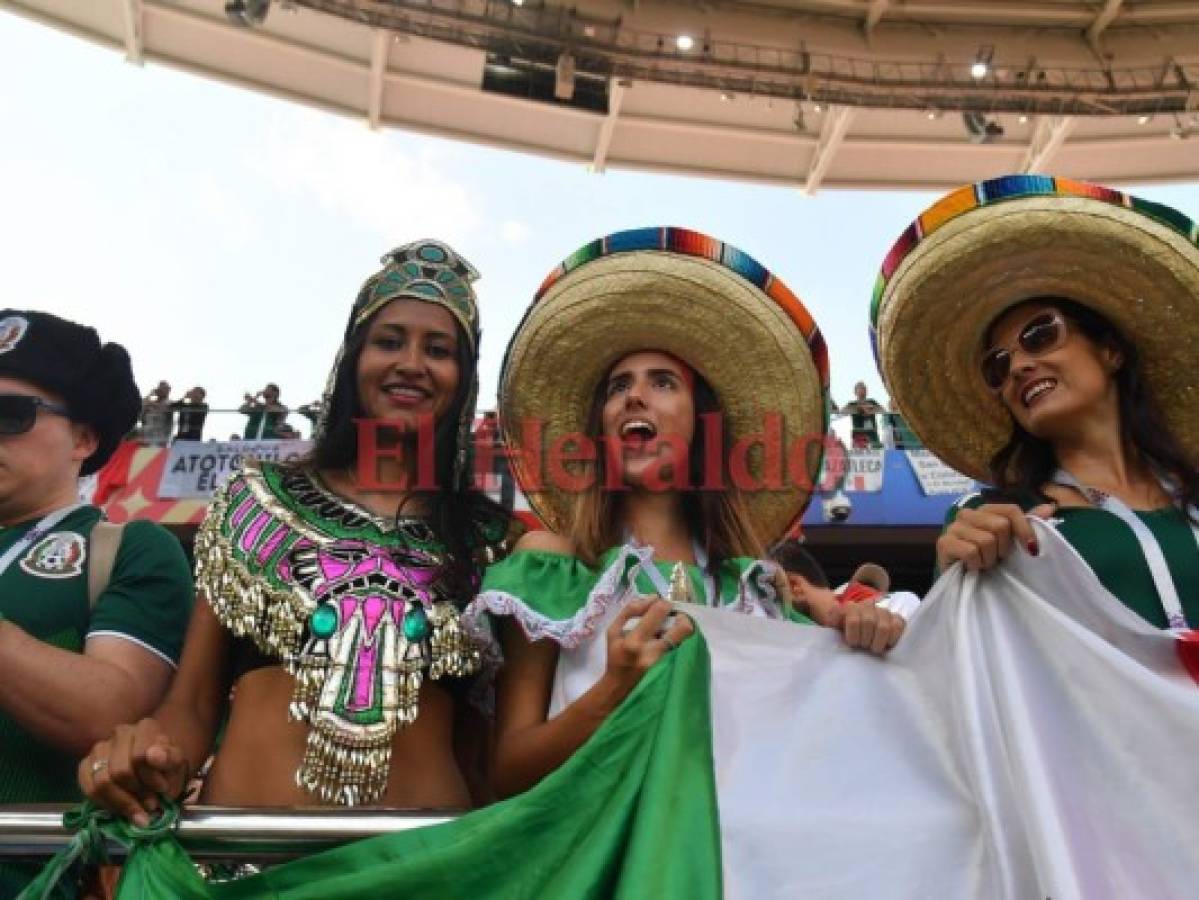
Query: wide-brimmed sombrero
{"x": 687, "y": 294}
{"x": 989, "y": 246}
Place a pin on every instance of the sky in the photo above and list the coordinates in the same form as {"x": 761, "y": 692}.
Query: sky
{"x": 221, "y": 234}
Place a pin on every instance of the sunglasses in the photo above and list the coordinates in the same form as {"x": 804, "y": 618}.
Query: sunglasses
{"x": 18, "y": 412}
{"x": 1041, "y": 334}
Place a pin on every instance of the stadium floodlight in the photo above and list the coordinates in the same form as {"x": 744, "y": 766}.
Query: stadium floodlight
{"x": 982, "y": 62}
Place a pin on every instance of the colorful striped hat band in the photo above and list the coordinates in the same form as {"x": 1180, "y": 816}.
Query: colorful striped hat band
{"x": 693, "y": 243}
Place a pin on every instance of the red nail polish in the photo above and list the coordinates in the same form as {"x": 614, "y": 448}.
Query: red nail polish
{"x": 1034, "y": 548}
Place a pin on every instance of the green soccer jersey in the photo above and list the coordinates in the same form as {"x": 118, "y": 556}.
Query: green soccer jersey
{"x": 1112, "y": 551}
{"x": 44, "y": 592}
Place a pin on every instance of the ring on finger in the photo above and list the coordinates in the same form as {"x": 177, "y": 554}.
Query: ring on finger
{"x": 99, "y": 765}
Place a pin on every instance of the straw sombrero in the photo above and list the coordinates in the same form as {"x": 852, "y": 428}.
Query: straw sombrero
{"x": 988, "y": 246}
{"x": 692, "y": 296}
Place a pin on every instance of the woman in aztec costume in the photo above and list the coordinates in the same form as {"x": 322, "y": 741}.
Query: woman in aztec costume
{"x": 330, "y": 604}
{"x": 1064, "y": 317}
{"x": 638, "y": 344}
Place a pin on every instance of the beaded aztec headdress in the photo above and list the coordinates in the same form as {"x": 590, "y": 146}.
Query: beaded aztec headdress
{"x": 432, "y": 272}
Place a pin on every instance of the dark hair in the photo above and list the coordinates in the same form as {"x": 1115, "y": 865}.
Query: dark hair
{"x": 796, "y": 559}
{"x": 1025, "y": 463}
{"x": 464, "y": 519}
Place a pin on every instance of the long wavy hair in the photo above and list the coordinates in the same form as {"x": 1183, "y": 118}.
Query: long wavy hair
{"x": 460, "y": 515}
{"x": 717, "y": 518}
{"x": 1026, "y": 463}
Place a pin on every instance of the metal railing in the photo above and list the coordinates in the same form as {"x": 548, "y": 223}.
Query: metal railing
{"x": 210, "y": 833}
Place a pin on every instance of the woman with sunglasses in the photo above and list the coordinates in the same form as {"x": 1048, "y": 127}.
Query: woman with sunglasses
{"x": 331, "y": 590}
{"x": 1064, "y": 317}
{"x": 649, "y": 489}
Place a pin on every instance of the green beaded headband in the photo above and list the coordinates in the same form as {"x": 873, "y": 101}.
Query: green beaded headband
{"x": 423, "y": 270}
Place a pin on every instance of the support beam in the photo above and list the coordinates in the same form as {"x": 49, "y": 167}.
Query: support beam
{"x": 874, "y": 15}
{"x": 616, "y": 89}
{"x": 1048, "y": 137}
{"x": 133, "y": 14}
{"x": 836, "y": 124}
{"x": 380, "y": 45}
{"x": 1111, "y": 9}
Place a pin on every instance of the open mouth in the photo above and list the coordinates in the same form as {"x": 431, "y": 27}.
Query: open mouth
{"x": 1036, "y": 390}
{"x": 637, "y": 432}
{"x": 406, "y": 393}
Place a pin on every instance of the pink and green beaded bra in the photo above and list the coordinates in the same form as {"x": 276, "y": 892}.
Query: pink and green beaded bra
{"x": 349, "y": 603}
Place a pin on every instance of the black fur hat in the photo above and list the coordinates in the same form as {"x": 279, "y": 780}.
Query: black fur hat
{"x": 94, "y": 380}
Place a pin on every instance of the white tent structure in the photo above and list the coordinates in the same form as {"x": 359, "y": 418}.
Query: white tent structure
{"x": 808, "y": 93}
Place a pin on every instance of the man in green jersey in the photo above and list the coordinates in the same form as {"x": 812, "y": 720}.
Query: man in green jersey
{"x": 74, "y": 662}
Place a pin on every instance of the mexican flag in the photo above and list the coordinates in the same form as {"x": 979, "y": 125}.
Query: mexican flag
{"x": 1029, "y": 737}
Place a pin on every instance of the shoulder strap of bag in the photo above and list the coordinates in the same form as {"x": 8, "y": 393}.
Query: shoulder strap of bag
{"x": 104, "y": 543}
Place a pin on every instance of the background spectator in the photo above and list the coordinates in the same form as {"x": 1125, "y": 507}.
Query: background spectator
{"x": 265, "y": 414}
{"x": 286, "y": 433}
{"x": 795, "y": 559}
{"x": 488, "y": 429}
{"x": 865, "y": 425}
{"x": 157, "y": 416}
{"x": 311, "y": 411}
{"x": 192, "y": 412}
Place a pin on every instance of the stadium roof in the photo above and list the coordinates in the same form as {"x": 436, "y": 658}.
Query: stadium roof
{"x": 826, "y": 93}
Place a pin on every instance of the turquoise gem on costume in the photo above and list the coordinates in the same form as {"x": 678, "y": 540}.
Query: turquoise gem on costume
{"x": 324, "y": 621}
{"x": 416, "y": 624}
{"x": 431, "y": 253}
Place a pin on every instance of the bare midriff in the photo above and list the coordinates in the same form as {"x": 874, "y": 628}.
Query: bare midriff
{"x": 262, "y": 749}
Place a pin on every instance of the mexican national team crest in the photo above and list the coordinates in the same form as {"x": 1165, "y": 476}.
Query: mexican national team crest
{"x": 57, "y": 555}
{"x": 12, "y": 329}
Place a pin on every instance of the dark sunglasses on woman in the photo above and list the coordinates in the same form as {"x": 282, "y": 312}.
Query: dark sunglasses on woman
{"x": 1042, "y": 334}
{"x": 18, "y": 412}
